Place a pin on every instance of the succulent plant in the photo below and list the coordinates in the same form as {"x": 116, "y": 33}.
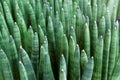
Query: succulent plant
{"x": 59, "y": 40}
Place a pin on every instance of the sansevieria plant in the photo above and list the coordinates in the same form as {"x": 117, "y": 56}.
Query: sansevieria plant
{"x": 59, "y": 40}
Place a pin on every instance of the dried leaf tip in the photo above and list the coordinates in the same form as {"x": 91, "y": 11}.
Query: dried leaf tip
{"x": 64, "y": 35}
{"x": 28, "y": 2}
{"x": 35, "y": 33}
{"x": 92, "y": 57}
{"x": 103, "y": 17}
{"x": 41, "y": 47}
{"x": 56, "y": 12}
{"x": 21, "y": 47}
{"x": 10, "y": 36}
{"x": 95, "y": 22}
{"x": 45, "y": 42}
{"x": 62, "y": 55}
{"x": 86, "y": 24}
{"x": 77, "y": 45}
{"x": 83, "y": 50}
{"x": 115, "y": 28}
{"x": 39, "y": 26}
{"x": 49, "y": 17}
{"x": 62, "y": 9}
{"x": 71, "y": 37}
{"x": 89, "y": 3}
{"x": 62, "y": 70}
{"x": 51, "y": 7}
{"x": 17, "y": 14}
{"x": 15, "y": 23}
{"x": 72, "y": 27}
{"x": 101, "y": 37}
{"x": 30, "y": 26}
{"x": 20, "y": 62}
{"x": 74, "y": 16}
{"x": 108, "y": 30}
